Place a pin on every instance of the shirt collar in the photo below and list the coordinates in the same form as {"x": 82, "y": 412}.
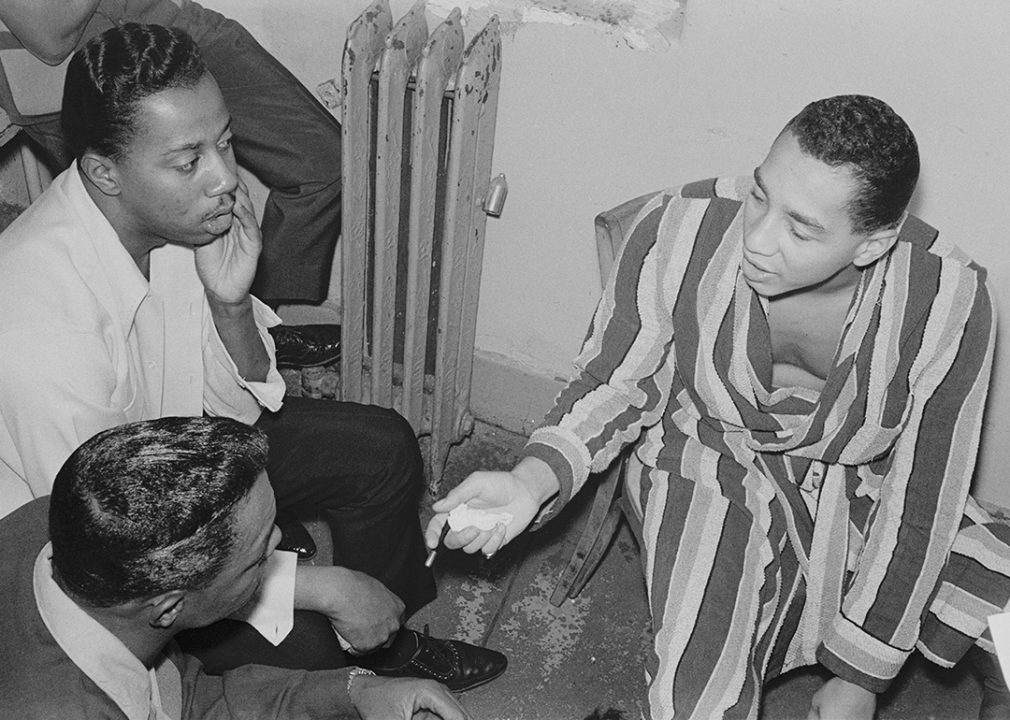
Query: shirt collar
{"x": 97, "y": 652}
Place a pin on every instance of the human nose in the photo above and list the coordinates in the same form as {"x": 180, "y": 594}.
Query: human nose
{"x": 759, "y": 237}
{"x": 224, "y": 175}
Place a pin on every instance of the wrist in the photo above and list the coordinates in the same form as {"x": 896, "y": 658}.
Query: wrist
{"x": 231, "y": 310}
{"x": 352, "y": 686}
{"x": 538, "y": 478}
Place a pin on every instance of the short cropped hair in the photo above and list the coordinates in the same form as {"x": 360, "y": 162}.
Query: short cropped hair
{"x": 109, "y": 77}
{"x": 149, "y": 507}
{"x": 866, "y": 135}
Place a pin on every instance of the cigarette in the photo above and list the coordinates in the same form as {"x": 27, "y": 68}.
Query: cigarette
{"x": 441, "y": 538}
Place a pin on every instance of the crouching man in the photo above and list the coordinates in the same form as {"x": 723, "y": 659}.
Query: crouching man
{"x": 153, "y": 528}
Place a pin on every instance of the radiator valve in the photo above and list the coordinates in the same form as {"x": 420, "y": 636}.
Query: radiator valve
{"x": 494, "y": 201}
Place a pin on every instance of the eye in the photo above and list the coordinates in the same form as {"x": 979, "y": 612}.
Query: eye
{"x": 225, "y": 143}
{"x": 754, "y": 193}
{"x": 802, "y": 238}
{"x": 188, "y": 166}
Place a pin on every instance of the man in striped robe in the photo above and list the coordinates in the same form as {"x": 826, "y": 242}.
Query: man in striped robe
{"x": 801, "y": 368}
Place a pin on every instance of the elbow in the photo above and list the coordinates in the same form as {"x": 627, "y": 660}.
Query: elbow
{"x": 53, "y": 54}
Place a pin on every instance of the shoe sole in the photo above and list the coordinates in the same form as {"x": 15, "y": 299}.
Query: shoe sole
{"x": 297, "y": 365}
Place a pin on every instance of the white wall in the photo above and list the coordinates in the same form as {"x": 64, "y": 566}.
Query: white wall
{"x": 586, "y": 122}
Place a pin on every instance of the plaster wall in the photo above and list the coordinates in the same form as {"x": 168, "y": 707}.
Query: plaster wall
{"x": 588, "y": 119}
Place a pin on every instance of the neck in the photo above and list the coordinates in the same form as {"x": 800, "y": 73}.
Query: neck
{"x": 137, "y": 242}
{"x": 127, "y": 623}
{"x": 144, "y": 641}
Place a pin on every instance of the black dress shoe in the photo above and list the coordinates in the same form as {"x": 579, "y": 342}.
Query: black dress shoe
{"x": 296, "y": 538}
{"x": 458, "y": 665}
{"x": 306, "y": 345}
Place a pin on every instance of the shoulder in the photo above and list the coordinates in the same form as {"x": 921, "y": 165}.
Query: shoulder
{"x": 686, "y": 216}
{"x": 938, "y": 288}
{"x": 37, "y": 679}
{"x": 716, "y": 199}
{"x": 932, "y": 259}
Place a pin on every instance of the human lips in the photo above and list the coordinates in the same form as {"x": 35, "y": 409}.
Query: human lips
{"x": 220, "y": 212}
{"x": 754, "y": 267}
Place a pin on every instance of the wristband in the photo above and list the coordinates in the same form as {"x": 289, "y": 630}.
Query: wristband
{"x": 355, "y": 672}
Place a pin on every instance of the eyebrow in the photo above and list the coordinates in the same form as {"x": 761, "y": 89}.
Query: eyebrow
{"x": 798, "y": 217}
{"x": 195, "y": 146}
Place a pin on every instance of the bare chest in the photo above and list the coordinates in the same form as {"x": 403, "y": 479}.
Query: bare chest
{"x": 805, "y": 335}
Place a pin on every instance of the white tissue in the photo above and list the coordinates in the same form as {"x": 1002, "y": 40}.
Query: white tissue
{"x": 463, "y": 516}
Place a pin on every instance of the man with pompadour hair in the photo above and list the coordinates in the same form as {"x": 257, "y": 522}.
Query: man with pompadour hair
{"x": 154, "y": 528}
{"x": 126, "y": 294}
{"x": 799, "y": 369}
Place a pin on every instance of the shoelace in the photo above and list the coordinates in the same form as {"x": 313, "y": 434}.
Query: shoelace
{"x": 438, "y": 647}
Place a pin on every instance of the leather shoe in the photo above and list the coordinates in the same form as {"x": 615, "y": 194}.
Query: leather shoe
{"x": 295, "y": 538}
{"x": 306, "y": 345}
{"x": 458, "y": 665}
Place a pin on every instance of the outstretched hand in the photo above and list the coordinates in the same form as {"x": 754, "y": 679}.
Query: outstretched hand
{"x": 520, "y": 493}
{"x": 382, "y": 698}
{"x": 227, "y": 265}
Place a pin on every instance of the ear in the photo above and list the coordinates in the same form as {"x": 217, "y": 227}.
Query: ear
{"x": 875, "y": 246}
{"x": 164, "y": 609}
{"x": 103, "y": 172}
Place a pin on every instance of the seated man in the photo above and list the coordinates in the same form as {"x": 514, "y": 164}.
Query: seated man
{"x": 125, "y": 292}
{"x": 281, "y": 132}
{"x": 801, "y": 368}
{"x": 155, "y": 527}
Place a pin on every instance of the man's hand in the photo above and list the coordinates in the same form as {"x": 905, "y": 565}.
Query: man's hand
{"x": 227, "y": 265}
{"x": 841, "y": 700}
{"x": 361, "y": 609}
{"x": 381, "y": 698}
{"x": 519, "y": 493}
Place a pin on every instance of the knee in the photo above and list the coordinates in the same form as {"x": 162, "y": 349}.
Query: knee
{"x": 398, "y": 444}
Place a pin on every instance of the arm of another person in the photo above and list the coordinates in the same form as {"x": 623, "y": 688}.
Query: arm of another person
{"x": 922, "y": 497}
{"x": 625, "y": 379}
{"x": 269, "y": 693}
{"x": 49, "y": 29}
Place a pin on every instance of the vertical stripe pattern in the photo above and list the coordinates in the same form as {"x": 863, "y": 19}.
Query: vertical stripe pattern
{"x": 782, "y": 527}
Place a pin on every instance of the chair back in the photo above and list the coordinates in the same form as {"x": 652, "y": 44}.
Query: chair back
{"x": 612, "y": 227}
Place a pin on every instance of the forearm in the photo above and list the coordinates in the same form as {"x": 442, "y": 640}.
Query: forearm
{"x": 49, "y": 29}
{"x": 921, "y": 505}
{"x": 311, "y": 589}
{"x": 236, "y": 326}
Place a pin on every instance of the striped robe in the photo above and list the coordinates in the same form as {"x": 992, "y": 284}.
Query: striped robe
{"x": 784, "y": 527}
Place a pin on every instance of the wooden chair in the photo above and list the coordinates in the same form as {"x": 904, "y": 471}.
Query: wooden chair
{"x": 612, "y": 227}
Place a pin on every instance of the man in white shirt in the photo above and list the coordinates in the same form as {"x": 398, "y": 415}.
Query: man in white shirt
{"x": 154, "y": 527}
{"x": 125, "y": 296}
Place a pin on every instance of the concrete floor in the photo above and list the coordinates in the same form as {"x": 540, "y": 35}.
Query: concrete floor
{"x": 584, "y": 659}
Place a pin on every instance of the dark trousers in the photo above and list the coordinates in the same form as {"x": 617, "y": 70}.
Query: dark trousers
{"x": 281, "y": 133}
{"x": 359, "y": 468}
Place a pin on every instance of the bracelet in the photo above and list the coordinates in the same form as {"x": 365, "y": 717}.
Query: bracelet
{"x": 355, "y": 672}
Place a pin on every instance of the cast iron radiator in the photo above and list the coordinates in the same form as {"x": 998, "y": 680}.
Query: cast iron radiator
{"x": 418, "y": 134}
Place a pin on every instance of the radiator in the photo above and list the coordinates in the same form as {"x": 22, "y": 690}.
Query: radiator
{"x": 418, "y": 134}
